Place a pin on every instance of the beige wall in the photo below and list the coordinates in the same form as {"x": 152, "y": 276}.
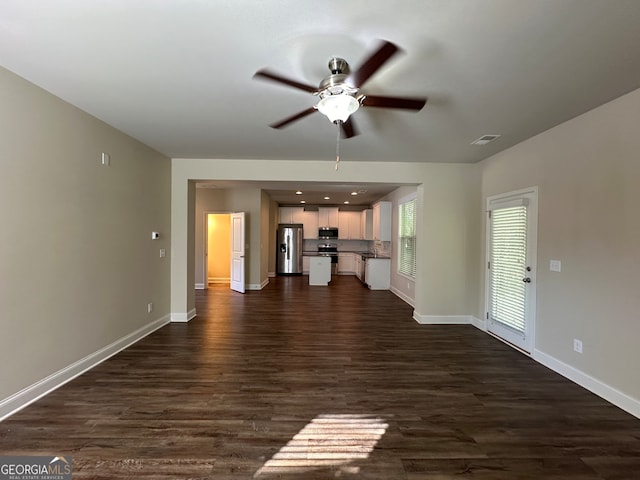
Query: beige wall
{"x": 588, "y": 174}
{"x": 448, "y": 257}
{"x": 265, "y": 236}
{"x": 274, "y": 217}
{"x": 77, "y": 263}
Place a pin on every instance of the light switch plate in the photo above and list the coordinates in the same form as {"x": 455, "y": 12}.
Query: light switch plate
{"x": 555, "y": 265}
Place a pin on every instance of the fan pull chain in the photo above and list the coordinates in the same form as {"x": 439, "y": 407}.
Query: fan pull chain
{"x": 338, "y": 146}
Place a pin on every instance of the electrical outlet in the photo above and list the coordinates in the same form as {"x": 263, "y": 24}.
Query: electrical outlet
{"x": 149, "y": 307}
{"x": 555, "y": 265}
{"x": 577, "y": 345}
{"x": 163, "y": 253}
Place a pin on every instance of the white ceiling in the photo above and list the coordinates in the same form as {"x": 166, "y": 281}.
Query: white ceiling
{"x": 177, "y": 75}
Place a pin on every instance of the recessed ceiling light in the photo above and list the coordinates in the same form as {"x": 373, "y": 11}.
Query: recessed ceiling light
{"x": 346, "y": 202}
{"x": 327, "y": 198}
{"x": 354, "y": 193}
{"x": 298, "y": 192}
{"x": 303, "y": 201}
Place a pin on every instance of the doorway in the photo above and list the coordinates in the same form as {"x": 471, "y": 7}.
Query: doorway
{"x": 218, "y": 251}
{"x": 511, "y": 267}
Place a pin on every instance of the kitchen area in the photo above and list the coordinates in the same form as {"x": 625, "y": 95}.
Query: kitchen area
{"x": 326, "y": 241}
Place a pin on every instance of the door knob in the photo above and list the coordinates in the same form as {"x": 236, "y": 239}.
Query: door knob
{"x": 526, "y": 280}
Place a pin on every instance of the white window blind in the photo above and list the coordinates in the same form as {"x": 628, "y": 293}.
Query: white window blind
{"x": 407, "y": 238}
{"x": 507, "y": 268}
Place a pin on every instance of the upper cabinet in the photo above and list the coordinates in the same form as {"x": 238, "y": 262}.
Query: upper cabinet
{"x": 328, "y": 217}
{"x": 369, "y": 224}
{"x": 382, "y": 221}
{"x": 309, "y": 220}
{"x": 291, "y": 214}
{"x": 366, "y": 224}
{"x": 310, "y": 225}
{"x": 349, "y": 226}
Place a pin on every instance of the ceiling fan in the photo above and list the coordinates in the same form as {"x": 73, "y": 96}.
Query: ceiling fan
{"x": 339, "y": 93}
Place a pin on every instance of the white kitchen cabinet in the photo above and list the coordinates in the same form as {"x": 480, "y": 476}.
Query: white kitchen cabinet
{"x": 382, "y": 221}
{"x": 349, "y": 226}
{"x": 378, "y": 273}
{"x": 327, "y": 216}
{"x": 310, "y": 225}
{"x": 366, "y": 224}
{"x": 346, "y": 263}
{"x": 291, "y": 214}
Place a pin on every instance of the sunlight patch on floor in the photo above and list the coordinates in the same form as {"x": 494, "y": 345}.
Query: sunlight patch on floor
{"x": 328, "y": 441}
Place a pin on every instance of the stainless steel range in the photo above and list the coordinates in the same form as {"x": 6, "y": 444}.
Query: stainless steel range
{"x": 330, "y": 250}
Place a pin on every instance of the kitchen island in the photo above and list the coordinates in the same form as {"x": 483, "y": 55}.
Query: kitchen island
{"x": 319, "y": 270}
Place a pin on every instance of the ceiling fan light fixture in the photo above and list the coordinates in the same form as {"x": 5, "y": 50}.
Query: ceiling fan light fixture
{"x": 338, "y": 107}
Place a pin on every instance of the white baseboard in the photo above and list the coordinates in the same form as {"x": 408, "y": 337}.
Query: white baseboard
{"x": 258, "y": 286}
{"x": 609, "y": 393}
{"x": 219, "y": 280}
{"x": 442, "y": 319}
{"x": 271, "y": 274}
{"x": 183, "y": 317}
{"x": 30, "y": 394}
{"x": 402, "y": 296}
{"x": 479, "y": 323}
{"x": 200, "y": 286}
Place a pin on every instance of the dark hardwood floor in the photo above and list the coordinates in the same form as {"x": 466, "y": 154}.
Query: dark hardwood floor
{"x": 299, "y": 382}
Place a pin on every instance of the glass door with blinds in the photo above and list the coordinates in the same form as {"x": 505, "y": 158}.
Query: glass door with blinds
{"x": 511, "y": 262}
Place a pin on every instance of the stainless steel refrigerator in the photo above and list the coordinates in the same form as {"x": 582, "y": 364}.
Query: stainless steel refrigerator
{"x": 289, "y": 244}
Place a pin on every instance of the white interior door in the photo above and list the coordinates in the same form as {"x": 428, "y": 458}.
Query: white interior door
{"x": 237, "y": 251}
{"x": 511, "y": 265}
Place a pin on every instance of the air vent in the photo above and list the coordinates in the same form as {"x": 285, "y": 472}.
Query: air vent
{"x": 483, "y": 140}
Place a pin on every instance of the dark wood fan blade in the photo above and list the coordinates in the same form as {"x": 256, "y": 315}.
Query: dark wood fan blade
{"x": 284, "y": 80}
{"x": 348, "y": 129}
{"x": 372, "y": 64}
{"x": 293, "y": 118}
{"x": 394, "y": 102}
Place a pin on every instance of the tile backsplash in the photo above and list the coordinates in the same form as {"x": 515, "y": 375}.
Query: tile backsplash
{"x": 380, "y": 248}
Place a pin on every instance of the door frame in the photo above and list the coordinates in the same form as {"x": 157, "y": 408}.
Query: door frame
{"x": 530, "y": 193}
{"x": 205, "y": 257}
{"x": 206, "y": 243}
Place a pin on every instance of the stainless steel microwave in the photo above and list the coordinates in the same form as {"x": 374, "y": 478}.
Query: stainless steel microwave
{"x": 328, "y": 233}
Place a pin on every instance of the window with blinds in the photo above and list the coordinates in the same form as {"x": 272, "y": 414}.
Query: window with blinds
{"x": 507, "y": 268}
{"x": 407, "y": 238}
